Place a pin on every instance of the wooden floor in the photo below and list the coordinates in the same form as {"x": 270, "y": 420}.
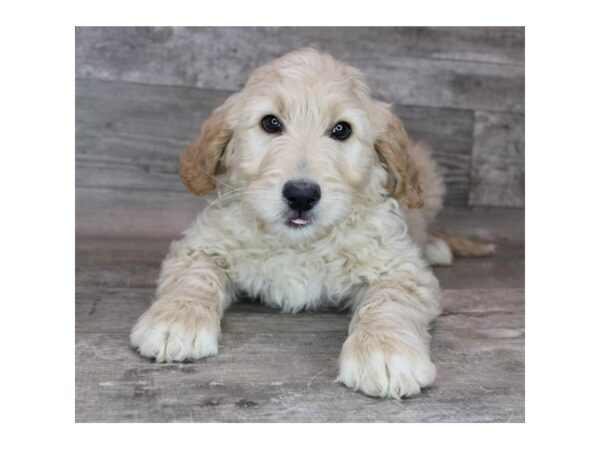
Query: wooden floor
{"x": 274, "y": 367}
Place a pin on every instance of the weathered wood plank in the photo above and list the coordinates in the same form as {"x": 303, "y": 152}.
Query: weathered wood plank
{"x": 293, "y": 381}
{"x": 498, "y": 166}
{"x": 274, "y": 367}
{"x": 486, "y": 223}
{"x": 100, "y": 49}
{"x": 447, "y": 84}
{"x": 480, "y": 379}
{"x": 114, "y": 262}
{"x": 501, "y": 45}
{"x": 140, "y": 123}
{"x": 505, "y": 268}
{"x": 107, "y": 310}
{"x": 439, "y": 67}
{"x": 118, "y": 212}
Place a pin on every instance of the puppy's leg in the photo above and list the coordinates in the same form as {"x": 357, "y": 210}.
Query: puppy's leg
{"x": 184, "y": 320}
{"x": 386, "y": 353}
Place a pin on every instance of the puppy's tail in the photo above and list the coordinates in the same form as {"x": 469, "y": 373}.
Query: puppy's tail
{"x": 462, "y": 246}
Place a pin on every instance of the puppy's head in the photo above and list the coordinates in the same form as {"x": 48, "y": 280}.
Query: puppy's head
{"x": 303, "y": 143}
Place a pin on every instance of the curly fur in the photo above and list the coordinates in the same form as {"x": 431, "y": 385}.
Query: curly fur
{"x": 365, "y": 247}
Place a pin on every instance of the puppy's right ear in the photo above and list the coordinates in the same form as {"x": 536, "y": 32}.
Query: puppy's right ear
{"x": 202, "y": 159}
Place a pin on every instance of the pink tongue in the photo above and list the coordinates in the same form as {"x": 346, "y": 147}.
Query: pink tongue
{"x": 299, "y": 221}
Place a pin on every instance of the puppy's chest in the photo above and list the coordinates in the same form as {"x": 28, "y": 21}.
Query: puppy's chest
{"x": 293, "y": 280}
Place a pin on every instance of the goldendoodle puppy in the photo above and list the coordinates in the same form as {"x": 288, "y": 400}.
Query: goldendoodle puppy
{"x": 321, "y": 200}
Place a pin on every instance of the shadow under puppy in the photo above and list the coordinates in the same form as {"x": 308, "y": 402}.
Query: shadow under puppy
{"x": 321, "y": 199}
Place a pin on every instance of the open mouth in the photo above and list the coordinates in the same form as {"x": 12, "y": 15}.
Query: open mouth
{"x": 298, "y": 220}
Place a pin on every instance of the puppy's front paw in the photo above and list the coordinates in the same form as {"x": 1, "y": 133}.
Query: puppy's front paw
{"x": 380, "y": 368}
{"x": 175, "y": 332}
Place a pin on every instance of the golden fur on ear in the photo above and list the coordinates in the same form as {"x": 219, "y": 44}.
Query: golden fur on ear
{"x": 201, "y": 161}
{"x": 392, "y": 147}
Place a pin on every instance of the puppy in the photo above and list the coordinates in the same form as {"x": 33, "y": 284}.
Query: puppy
{"x": 321, "y": 199}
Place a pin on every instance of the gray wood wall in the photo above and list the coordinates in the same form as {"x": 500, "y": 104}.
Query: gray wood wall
{"x": 142, "y": 93}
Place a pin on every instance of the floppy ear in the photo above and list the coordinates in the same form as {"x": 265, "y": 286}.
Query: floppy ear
{"x": 403, "y": 176}
{"x": 201, "y": 160}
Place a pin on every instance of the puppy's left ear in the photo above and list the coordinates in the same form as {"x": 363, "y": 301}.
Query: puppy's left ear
{"x": 202, "y": 159}
{"x": 392, "y": 147}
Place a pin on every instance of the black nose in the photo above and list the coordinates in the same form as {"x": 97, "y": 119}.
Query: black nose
{"x": 301, "y": 195}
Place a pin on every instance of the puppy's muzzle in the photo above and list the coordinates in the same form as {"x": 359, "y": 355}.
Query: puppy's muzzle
{"x": 301, "y": 195}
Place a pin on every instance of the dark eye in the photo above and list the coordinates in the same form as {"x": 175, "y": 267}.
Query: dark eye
{"x": 341, "y": 131}
{"x": 271, "y": 124}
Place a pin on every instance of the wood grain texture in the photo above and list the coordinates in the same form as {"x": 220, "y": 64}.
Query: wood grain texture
{"x": 275, "y": 367}
{"x": 118, "y": 212}
{"x": 129, "y": 135}
{"x": 114, "y": 310}
{"x": 498, "y": 174}
{"x": 478, "y": 68}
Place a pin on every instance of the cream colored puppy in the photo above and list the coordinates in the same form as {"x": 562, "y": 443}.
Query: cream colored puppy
{"x": 321, "y": 200}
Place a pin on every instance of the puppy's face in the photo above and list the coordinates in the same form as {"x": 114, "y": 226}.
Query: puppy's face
{"x": 303, "y": 142}
{"x": 303, "y": 145}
